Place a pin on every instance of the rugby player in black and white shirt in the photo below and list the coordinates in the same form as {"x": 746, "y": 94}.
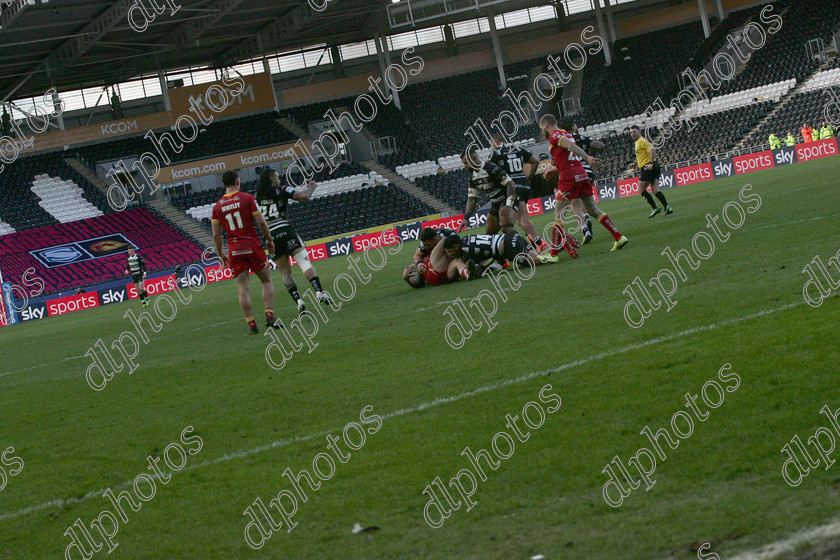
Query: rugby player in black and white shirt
{"x": 274, "y": 199}
{"x": 136, "y": 267}
{"x": 491, "y": 179}
{"x": 498, "y": 247}
{"x": 521, "y": 166}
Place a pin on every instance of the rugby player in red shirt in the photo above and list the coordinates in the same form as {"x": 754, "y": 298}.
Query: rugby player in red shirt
{"x": 237, "y": 212}
{"x": 573, "y": 182}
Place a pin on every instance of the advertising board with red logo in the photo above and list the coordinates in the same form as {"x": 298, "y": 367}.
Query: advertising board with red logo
{"x": 116, "y": 292}
{"x": 753, "y": 162}
{"x": 816, "y": 150}
{"x": 69, "y": 304}
{"x": 694, "y": 174}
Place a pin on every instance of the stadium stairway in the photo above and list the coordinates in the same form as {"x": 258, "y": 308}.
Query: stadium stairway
{"x": 749, "y": 138}
{"x": 183, "y": 221}
{"x": 415, "y": 191}
{"x": 295, "y": 129}
{"x": 85, "y": 172}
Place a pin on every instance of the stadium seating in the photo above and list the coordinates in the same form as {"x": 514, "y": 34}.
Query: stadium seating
{"x": 354, "y": 210}
{"x": 217, "y": 138}
{"x": 162, "y": 246}
{"x": 21, "y": 204}
{"x": 63, "y": 199}
{"x": 601, "y": 130}
{"x": 644, "y": 67}
{"x": 805, "y": 107}
{"x": 824, "y": 79}
{"x": 711, "y": 133}
{"x": 772, "y": 92}
{"x": 783, "y": 56}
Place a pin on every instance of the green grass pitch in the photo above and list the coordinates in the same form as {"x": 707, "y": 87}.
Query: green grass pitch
{"x": 385, "y": 348}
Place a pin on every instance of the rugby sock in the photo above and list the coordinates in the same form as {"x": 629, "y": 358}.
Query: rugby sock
{"x": 558, "y": 238}
{"x": 251, "y": 323}
{"x": 661, "y": 196}
{"x": 607, "y": 223}
{"x": 269, "y": 315}
{"x": 144, "y": 295}
{"x": 649, "y": 199}
{"x": 316, "y": 284}
{"x": 294, "y": 293}
{"x": 587, "y": 222}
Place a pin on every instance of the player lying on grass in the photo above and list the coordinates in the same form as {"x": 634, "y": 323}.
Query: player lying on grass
{"x": 501, "y": 248}
{"x": 274, "y": 198}
{"x": 237, "y": 212}
{"x": 438, "y": 267}
{"x": 429, "y": 237}
{"x": 573, "y": 182}
{"x": 506, "y": 205}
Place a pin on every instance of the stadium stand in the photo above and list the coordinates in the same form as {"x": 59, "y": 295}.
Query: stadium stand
{"x": 711, "y": 134}
{"x": 644, "y": 67}
{"x": 805, "y": 107}
{"x": 783, "y": 56}
{"x": 22, "y": 208}
{"x": 62, "y": 199}
{"x": 772, "y": 92}
{"x": 217, "y": 138}
{"x": 160, "y": 243}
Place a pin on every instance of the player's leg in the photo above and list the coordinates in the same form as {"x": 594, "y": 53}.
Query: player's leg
{"x": 589, "y": 204}
{"x": 527, "y": 226}
{"x": 643, "y": 185}
{"x": 243, "y": 285}
{"x": 302, "y": 258}
{"x": 140, "y": 285}
{"x": 285, "y": 269}
{"x": 492, "y": 221}
{"x": 583, "y": 219}
{"x": 559, "y": 238}
{"x": 517, "y": 251}
{"x": 264, "y": 275}
{"x": 654, "y": 188}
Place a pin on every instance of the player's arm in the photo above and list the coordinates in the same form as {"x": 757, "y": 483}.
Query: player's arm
{"x": 575, "y": 149}
{"x": 531, "y": 165}
{"x": 142, "y": 262}
{"x": 263, "y": 225}
{"x": 302, "y": 195}
{"x": 652, "y": 154}
{"x": 419, "y": 254}
{"x": 472, "y": 202}
{"x": 217, "y": 242}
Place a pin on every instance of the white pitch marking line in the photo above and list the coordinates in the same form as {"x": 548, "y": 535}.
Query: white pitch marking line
{"x": 422, "y": 406}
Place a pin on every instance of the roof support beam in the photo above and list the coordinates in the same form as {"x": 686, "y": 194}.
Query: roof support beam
{"x": 11, "y": 12}
{"x": 79, "y": 44}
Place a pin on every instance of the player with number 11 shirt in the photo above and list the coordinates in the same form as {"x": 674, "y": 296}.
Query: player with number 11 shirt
{"x": 237, "y": 212}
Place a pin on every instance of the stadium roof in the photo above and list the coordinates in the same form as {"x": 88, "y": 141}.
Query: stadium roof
{"x": 88, "y": 43}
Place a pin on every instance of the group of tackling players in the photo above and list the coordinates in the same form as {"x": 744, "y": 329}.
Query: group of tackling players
{"x": 443, "y": 256}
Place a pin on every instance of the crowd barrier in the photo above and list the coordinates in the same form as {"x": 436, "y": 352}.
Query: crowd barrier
{"x": 197, "y": 275}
